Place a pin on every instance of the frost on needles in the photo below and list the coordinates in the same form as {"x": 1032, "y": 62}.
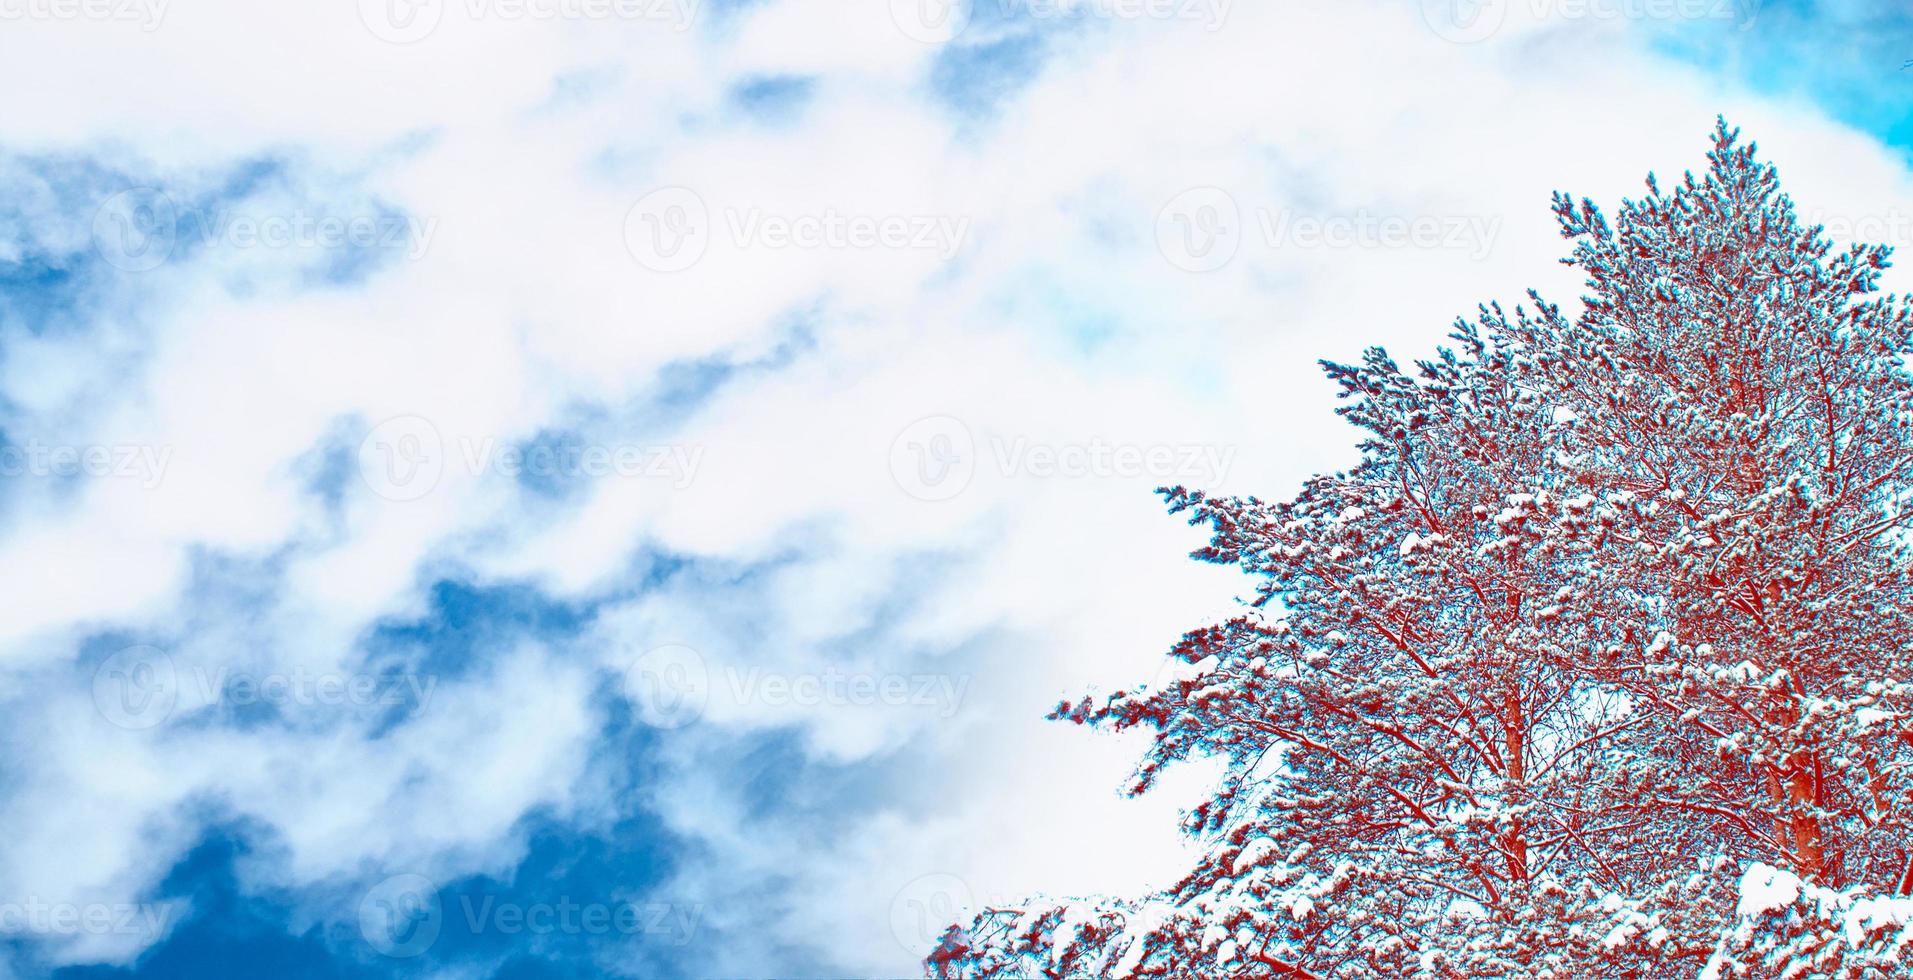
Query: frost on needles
{"x": 1597, "y": 665}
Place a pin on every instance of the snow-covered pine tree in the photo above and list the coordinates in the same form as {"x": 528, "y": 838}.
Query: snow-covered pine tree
{"x": 1596, "y": 665}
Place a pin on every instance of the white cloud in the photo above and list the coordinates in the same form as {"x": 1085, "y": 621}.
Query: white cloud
{"x": 1057, "y": 324}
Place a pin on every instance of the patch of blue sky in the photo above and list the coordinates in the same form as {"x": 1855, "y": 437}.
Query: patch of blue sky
{"x": 725, "y": 11}
{"x": 1849, "y": 57}
{"x": 80, "y": 237}
{"x": 329, "y": 470}
{"x": 773, "y": 99}
{"x": 224, "y": 931}
{"x": 1003, "y": 47}
{"x": 530, "y": 921}
{"x": 975, "y": 77}
{"x": 683, "y": 387}
{"x": 558, "y": 463}
{"x": 581, "y": 87}
{"x": 466, "y": 623}
{"x": 389, "y": 236}
{"x": 54, "y": 275}
{"x": 23, "y": 462}
{"x": 610, "y": 853}
{"x": 581, "y": 902}
{"x": 635, "y": 440}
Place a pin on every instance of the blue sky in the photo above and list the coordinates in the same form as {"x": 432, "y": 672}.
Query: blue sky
{"x": 575, "y": 497}
{"x": 1842, "y": 58}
